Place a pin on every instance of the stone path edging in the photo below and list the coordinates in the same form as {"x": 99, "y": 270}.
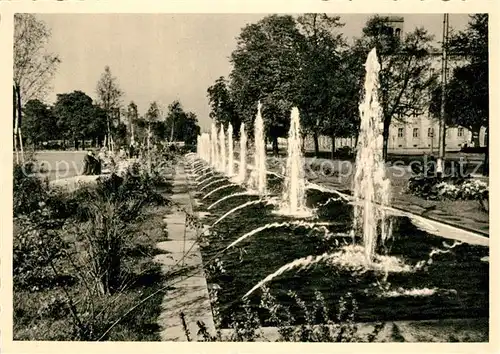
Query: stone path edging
{"x": 189, "y": 295}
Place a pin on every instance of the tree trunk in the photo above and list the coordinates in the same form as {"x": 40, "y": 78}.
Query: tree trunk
{"x": 19, "y": 120}
{"x": 486, "y": 167}
{"x": 316, "y": 144}
{"x": 475, "y": 136}
{"x": 333, "y": 146}
{"x": 275, "y": 146}
{"x": 172, "y": 132}
{"x": 387, "y": 123}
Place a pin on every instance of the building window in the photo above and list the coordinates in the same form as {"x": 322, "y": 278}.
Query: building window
{"x": 460, "y": 132}
{"x": 400, "y": 132}
{"x": 415, "y": 132}
{"x": 430, "y": 132}
{"x": 398, "y": 32}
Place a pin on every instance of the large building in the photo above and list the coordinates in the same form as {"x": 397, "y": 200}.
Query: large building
{"x": 421, "y": 133}
{"x": 416, "y": 134}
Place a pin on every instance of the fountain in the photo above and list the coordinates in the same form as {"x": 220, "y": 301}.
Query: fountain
{"x": 198, "y": 146}
{"x": 358, "y": 267}
{"x": 243, "y": 155}
{"x": 296, "y": 224}
{"x": 212, "y": 183}
{"x": 206, "y": 147}
{"x": 210, "y": 177}
{"x": 214, "y": 147}
{"x": 294, "y": 192}
{"x": 234, "y": 195}
{"x": 230, "y": 153}
{"x": 370, "y": 185}
{"x": 260, "y": 153}
{"x": 239, "y": 207}
{"x": 222, "y": 144}
{"x": 218, "y": 189}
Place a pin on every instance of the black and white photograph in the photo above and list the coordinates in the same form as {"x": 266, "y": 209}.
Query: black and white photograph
{"x": 251, "y": 177}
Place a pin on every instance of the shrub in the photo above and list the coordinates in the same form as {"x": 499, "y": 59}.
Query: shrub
{"x": 37, "y": 247}
{"x": 434, "y": 188}
{"x": 29, "y": 190}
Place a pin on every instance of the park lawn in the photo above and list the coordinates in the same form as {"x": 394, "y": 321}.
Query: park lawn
{"x": 42, "y": 314}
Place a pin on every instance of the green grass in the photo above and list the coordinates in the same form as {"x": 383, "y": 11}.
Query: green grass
{"x": 44, "y": 314}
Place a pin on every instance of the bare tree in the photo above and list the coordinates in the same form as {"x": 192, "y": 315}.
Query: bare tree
{"x": 34, "y": 67}
{"x": 109, "y": 97}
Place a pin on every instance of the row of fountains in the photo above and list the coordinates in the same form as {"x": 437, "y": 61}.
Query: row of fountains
{"x": 370, "y": 186}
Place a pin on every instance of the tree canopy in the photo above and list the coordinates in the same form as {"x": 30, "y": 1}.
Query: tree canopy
{"x": 34, "y": 67}
{"x": 467, "y": 92}
{"x": 266, "y": 66}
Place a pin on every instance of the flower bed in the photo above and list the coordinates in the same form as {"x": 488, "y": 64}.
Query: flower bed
{"x": 82, "y": 259}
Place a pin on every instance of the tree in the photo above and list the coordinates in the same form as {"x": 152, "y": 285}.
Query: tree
{"x": 266, "y": 65}
{"x": 183, "y": 126}
{"x": 191, "y": 130}
{"x": 467, "y": 93}
{"x": 323, "y": 77}
{"x": 132, "y": 117}
{"x": 96, "y": 126}
{"x": 153, "y": 113}
{"x": 466, "y": 102}
{"x": 343, "y": 108}
{"x": 74, "y": 113}
{"x": 33, "y": 66}
{"x": 222, "y": 108}
{"x": 109, "y": 97}
{"x": 152, "y": 116}
{"x": 38, "y": 123}
{"x": 405, "y": 79}
{"x": 174, "y": 119}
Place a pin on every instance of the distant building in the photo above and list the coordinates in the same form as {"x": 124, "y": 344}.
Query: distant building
{"x": 420, "y": 133}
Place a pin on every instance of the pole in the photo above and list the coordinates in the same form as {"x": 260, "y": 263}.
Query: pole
{"x": 21, "y": 145}
{"x": 442, "y": 122}
{"x": 432, "y": 139}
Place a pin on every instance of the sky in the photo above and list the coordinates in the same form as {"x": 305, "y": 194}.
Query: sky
{"x": 167, "y": 57}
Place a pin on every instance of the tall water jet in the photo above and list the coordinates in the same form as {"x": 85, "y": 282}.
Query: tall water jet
{"x": 294, "y": 192}
{"x": 206, "y": 147}
{"x": 198, "y": 146}
{"x": 242, "y": 173}
{"x": 370, "y": 185}
{"x": 260, "y": 152}
{"x": 222, "y": 144}
{"x": 230, "y": 152}
{"x": 214, "y": 147}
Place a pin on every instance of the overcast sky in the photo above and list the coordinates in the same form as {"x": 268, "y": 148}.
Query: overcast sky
{"x": 162, "y": 57}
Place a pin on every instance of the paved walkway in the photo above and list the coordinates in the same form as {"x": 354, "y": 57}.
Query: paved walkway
{"x": 189, "y": 293}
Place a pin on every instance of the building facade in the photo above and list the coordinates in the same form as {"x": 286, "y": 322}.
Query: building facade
{"x": 416, "y": 134}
